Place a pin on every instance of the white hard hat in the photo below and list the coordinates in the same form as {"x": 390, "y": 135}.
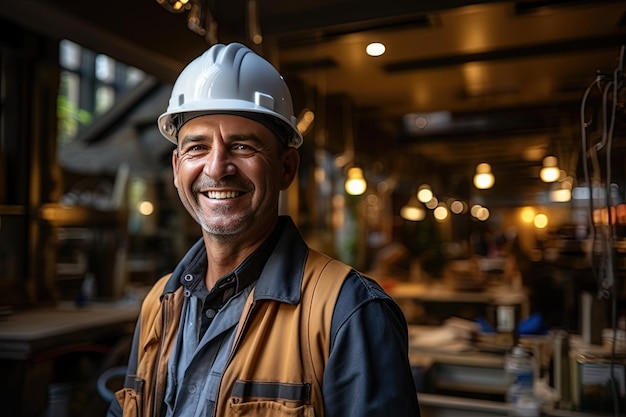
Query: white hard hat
{"x": 231, "y": 79}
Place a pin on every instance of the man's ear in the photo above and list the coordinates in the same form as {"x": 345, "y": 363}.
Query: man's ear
{"x": 290, "y": 160}
{"x": 175, "y": 166}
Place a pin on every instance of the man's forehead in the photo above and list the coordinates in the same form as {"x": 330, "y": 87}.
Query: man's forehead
{"x": 225, "y": 122}
{"x": 232, "y": 124}
{"x": 226, "y": 127}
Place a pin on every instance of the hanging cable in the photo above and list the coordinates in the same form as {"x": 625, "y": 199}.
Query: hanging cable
{"x": 587, "y": 178}
{"x": 603, "y": 242}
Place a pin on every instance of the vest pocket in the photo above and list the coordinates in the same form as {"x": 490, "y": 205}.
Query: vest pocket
{"x": 270, "y": 399}
{"x": 130, "y": 400}
{"x": 263, "y": 408}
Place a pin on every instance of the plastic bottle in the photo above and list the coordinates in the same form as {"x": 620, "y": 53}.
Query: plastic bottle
{"x": 87, "y": 290}
{"x": 521, "y": 374}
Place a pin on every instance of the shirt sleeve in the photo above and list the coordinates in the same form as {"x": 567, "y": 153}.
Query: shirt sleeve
{"x": 368, "y": 371}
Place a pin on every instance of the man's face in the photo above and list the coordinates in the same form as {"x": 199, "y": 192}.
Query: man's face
{"x": 229, "y": 171}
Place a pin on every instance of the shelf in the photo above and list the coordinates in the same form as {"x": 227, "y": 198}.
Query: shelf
{"x": 12, "y": 210}
{"x": 67, "y": 216}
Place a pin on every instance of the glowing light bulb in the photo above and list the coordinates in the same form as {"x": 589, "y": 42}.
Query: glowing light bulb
{"x": 424, "y": 193}
{"x": 550, "y": 171}
{"x": 483, "y": 179}
{"x": 355, "y": 182}
{"x": 375, "y": 49}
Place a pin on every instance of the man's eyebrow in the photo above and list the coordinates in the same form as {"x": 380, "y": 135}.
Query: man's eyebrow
{"x": 190, "y": 139}
{"x": 247, "y": 137}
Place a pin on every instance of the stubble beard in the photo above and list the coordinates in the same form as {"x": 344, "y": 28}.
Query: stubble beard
{"x": 223, "y": 231}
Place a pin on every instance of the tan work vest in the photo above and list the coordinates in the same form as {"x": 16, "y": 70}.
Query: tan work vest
{"x": 278, "y": 356}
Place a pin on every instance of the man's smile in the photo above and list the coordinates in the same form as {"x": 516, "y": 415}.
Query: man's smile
{"x": 222, "y": 195}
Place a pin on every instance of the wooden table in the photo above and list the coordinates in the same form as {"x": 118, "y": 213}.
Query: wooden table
{"x": 32, "y": 341}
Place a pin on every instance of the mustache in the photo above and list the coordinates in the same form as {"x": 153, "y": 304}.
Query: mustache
{"x": 204, "y": 184}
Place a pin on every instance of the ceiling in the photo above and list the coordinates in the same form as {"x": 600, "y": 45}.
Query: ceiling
{"x": 460, "y": 82}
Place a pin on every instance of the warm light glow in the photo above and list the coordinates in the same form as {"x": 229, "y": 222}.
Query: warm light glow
{"x": 375, "y": 49}
{"x": 562, "y": 195}
{"x": 432, "y": 203}
{"x": 549, "y": 174}
{"x": 482, "y": 214}
{"x": 457, "y": 207}
{"x": 483, "y": 179}
{"x": 475, "y": 209}
{"x": 540, "y": 221}
{"x": 355, "y": 183}
{"x": 412, "y": 213}
{"x": 550, "y": 171}
{"x": 424, "y": 193}
{"x": 145, "y": 207}
{"x": 440, "y": 213}
{"x": 528, "y": 214}
{"x": 479, "y": 212}
{"x": 337, "y": 214}
{"x": 563, "y": 192}
{"x": 306, "y": 121}
{"x": 319, "y": 174}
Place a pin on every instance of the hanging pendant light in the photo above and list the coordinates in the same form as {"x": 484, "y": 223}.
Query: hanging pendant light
{"x": 413, "y": 211}
{"x": 483, "y": 178}
{"x": 424, "y": 193}
{"x": 550, "y": 171}
{"x": 355, "y": 181}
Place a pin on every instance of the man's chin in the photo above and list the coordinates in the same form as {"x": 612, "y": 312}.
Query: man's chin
{"x": 225, "y": 230}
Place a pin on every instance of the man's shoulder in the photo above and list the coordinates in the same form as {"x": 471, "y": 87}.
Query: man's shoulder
{"x": 363, "y": 300}
{"x": 362, "y": 287}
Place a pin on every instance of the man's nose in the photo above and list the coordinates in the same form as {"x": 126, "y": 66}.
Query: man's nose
{"x": 219, "y": 162}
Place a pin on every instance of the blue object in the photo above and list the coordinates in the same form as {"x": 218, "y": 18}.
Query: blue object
{"x": 485, "y": 326}
{"x": 533, "y": 325}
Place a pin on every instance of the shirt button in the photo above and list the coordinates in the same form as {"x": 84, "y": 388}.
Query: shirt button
{"x": 187, "y": 293}
{"x": 188, "y": 278}
{"x": 192, "y": 389}
{"x": 210, "y": 313}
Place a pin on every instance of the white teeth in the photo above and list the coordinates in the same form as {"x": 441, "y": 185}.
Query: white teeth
{"x": 222, "y": 194}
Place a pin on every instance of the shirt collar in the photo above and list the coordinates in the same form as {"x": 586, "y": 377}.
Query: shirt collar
{"x": 244, "y": 275}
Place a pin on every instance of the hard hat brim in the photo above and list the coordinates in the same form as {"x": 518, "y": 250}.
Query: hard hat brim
{"x": 169, "y": 129}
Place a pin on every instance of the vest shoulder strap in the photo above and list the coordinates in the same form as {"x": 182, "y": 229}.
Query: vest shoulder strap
{"x": 151, "y": 304}
{"x": 319, "y": 305}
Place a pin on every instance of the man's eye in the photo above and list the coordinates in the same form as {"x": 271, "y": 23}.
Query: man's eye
{"x": 242, "y": 149}
{"x": 194, "y": 150}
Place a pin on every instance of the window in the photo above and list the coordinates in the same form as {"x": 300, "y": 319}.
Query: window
{"x": 91, "y": 84}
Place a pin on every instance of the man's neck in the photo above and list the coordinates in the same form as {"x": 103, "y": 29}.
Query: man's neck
{"x": 224, "y": 256}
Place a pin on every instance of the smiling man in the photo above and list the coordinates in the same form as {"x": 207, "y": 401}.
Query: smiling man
{"x": 252, "y": 322}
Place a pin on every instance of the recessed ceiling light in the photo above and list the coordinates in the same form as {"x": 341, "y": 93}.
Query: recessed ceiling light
{"x": 375, "y": 49}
